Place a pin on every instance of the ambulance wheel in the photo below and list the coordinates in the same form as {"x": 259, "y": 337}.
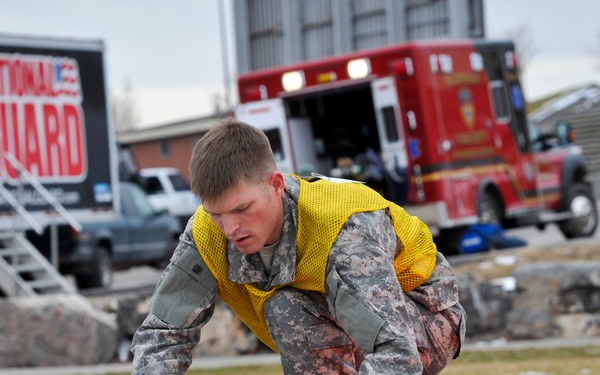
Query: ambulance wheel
{"x": 580, "y": 201}
{"x": 489, "y": 209}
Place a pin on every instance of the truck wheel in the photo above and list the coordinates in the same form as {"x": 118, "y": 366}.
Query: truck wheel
{"x": 580, "y": 201}
{"x": 100, "y": 273}
{"x": 489, "y": 209}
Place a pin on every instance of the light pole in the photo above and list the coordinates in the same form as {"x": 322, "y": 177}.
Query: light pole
{"x": 224, "y": 52}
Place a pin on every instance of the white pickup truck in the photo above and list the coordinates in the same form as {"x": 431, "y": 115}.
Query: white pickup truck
{"x": 168, "y": 190}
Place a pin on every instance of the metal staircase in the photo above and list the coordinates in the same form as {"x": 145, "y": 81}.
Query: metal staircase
{"x": 24, "y": 271}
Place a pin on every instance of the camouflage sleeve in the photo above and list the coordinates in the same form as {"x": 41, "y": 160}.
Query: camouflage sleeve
{"x": 183, "y": 302}
{"x": 365, "y": 296}
{"x": 440, "y": 292}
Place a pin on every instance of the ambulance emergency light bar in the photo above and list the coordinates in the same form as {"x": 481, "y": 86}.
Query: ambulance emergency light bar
{"x": 292, "y": 81}
{"x": 359, "y": 68}
{"x": 295, "y": 80}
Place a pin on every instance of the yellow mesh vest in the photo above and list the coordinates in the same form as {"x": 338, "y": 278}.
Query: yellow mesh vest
{"x": 323, "y": 208}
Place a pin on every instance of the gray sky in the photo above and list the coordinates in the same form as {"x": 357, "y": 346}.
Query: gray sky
{"x": 566, "y": 34}
{"x": 170, "y": 50}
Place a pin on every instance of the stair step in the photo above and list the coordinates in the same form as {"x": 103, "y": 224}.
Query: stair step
{"x": 6, "y": 235}
{"x": 28, "y": 267}
{"x": 26, "y": 262}
{"x": 10, "y": 251}
{"x": 43, "y": 284}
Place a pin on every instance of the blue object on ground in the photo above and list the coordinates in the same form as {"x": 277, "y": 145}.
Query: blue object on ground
{"x": 483, "y": 237}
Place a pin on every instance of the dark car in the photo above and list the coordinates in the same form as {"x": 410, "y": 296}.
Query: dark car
{"x": 139, "y": 236}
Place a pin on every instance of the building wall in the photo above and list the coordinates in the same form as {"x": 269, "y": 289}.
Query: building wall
{"x": 170, "y": 152}
{"x": 278, "y": 32}
{"x": 169, "y": 145}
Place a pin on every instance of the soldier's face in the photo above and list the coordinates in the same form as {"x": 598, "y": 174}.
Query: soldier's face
{"x": 250, "y": 215}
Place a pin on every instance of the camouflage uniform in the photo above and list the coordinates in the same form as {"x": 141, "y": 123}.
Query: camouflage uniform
{"x": 365, "y": 324}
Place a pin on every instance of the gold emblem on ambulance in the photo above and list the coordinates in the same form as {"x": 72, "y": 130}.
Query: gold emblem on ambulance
{"x": 467, "y": 108}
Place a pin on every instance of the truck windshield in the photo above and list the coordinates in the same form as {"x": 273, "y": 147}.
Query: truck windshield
{"x": 179, "y": 183}
{"x": 140, "y": 202}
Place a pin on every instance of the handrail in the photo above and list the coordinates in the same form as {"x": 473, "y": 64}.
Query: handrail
{"x": 13, "y": 281}
{"x": 43, "y": 192}
{"x": 21, "y": 210}
{"x": 40, "y": 259}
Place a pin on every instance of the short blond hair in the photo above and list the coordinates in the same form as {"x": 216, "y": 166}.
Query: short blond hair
{"x": 228, "y": 154}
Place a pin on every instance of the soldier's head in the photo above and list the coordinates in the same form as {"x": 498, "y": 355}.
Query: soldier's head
{"x": 234, "y": 174}
{"x": 229, "y": 153}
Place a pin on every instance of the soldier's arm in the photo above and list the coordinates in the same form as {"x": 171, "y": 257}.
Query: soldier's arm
{"x": 366, "y": 298}
{"x": 182, "y": 304}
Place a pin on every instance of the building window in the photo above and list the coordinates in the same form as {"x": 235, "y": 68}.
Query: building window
{"x": 369, "y": 24}
{"x": 427, "y": 19}
{"x": 165, "y": 151}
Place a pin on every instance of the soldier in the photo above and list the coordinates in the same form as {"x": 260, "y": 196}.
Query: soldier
{"x": 330, "y": 275}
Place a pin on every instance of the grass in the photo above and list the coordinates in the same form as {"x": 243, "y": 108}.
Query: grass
{"x": 560, "y": 361}
{"x": 245, "y": 370}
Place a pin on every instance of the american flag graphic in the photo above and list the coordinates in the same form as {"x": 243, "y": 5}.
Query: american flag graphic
{"x": 66, "y": 78}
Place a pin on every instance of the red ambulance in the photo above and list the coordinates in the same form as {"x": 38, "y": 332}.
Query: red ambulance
{"x": 439, "y": 127}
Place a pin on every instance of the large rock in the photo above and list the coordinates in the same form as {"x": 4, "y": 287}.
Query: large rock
{"x": 55, "y": 330}
{"x": 486, "y": 303}
{"x": 556, "y": 299}
{"x": 130, "y": 309}
{"x": 225, "y": 335}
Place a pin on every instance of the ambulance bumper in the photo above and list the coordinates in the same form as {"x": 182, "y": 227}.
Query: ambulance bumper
{"x": 435, "y": 215}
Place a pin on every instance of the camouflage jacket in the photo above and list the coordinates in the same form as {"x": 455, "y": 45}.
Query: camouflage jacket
{"x": 360, "y": 264}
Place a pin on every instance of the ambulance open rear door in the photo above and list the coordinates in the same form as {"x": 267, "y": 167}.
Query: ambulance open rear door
{"x": 269, "y": 116}
{"x": 391, "y": 136}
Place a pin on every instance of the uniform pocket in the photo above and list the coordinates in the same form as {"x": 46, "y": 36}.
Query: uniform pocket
{"x": 358, "y": 320}
{"x": 183, "y": 289}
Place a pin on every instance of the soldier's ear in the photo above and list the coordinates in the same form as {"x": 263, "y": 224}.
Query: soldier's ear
{"x": 276, "y": 182}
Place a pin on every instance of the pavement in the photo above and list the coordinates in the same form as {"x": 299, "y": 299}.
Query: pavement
{"x": 273, "y": 359}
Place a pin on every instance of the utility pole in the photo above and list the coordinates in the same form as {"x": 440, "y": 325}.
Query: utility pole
{"x": 224, "y": 52}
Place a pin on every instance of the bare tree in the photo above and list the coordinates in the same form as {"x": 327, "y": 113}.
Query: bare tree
{"x": 525, "y": 46}
{"x": 124, "y": 112}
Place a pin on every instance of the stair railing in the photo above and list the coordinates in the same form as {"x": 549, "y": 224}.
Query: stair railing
{"x": 20, "y": 209}
{"x": 34, "y": 182}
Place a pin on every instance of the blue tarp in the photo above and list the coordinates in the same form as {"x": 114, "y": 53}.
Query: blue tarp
{"x": 484, "y": 237}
